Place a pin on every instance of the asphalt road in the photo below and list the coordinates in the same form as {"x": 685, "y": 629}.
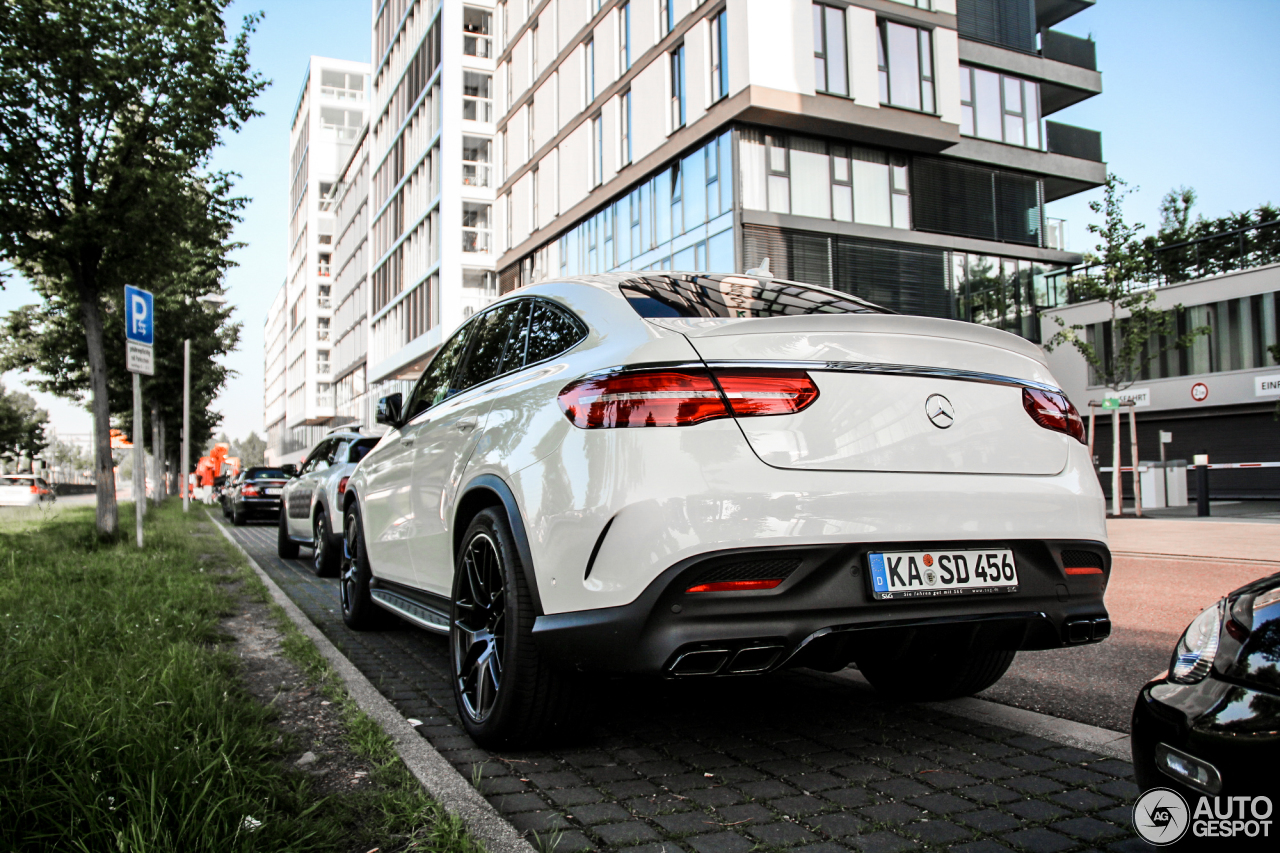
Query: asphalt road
{"x": 1151, "y": 601}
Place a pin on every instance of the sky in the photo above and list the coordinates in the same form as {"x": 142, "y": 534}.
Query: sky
{"x": 1189, "y": 98}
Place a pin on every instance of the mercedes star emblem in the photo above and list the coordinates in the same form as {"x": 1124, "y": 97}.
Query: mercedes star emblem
{"x": 940, "y": 411}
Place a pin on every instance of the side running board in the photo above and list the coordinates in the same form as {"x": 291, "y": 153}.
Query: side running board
{"x": 413, "y": 611}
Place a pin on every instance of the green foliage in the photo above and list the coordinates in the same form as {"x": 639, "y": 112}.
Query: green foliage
{"x": 123, "y": 726}
{"x": 22, "y": 423}
{"x": 109, "y": 113}
{"x": 1140, "y": 332}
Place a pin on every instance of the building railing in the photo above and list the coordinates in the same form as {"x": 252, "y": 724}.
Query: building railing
{"x": 324, "y": 302}
{"x": 477, "y": 45}
{"x": 1073, "y": 141}
{"x": 476, "y": 174}
{"x": 322, "y": 335}
{"x": 477, "y": 240}
{"x": 339, "y": 94}
{"x": 477, "y": 109}
{"x": 344, "y": 134}
{"x": 1073, "y": 50}
{"x": 323, "y": 366}
{"x": 1213, "y": 254}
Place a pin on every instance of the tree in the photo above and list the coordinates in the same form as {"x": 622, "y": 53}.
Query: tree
{"x": 22, "y": 423}
{"x": 1175, "y": 214}
{"x": 1139, "y": 332}
{"x": 109, "y": 112}
{"x": 252, "y": 450}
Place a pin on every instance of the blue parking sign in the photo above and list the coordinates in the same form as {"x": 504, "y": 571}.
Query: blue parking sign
{"x": 139, "y": 315}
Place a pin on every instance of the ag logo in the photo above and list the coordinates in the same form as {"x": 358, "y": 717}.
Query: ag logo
{"x": 1161, "y": 816}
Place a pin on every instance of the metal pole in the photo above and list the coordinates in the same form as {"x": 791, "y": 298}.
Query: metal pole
{"x": 139, "y": 475}
{"x": 1202, "y": 484}
{"x": 1133, "y": 452}
{"x": 1117, "y": 501}
{"x": 156, "y": 450}
{"x": 186, "y": 425}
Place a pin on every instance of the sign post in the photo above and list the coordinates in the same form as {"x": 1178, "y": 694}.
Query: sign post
{"x": 186, "y": 425}
{"x": 139, "y": 333}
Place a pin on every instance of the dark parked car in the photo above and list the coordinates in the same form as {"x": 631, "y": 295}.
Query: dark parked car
{"x": 255, "y": 494}
{"x": 1211, "y": 724}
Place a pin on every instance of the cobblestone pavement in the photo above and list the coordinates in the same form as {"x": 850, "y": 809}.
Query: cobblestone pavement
{"x": 796, "y": 760}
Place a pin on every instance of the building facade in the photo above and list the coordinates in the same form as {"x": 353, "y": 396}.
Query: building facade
{"x": 1220, "y": 395}
{"x": 328, "y": 122}
{"x": 895, "y": 149}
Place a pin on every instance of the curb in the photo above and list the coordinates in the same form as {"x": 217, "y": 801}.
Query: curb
{"x": 1080, "y": 735}
{"x": 445, "y": 784}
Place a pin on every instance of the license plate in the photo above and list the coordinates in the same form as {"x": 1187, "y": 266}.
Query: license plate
{"x": 273, "y": 491}
{"x": 933, "y": 574}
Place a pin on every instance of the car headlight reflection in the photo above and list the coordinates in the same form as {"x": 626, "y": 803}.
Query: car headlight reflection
{"x": 1194, "y": 655}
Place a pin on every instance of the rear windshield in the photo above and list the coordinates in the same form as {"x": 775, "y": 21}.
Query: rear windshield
{"x": 735, "y": 296}
{"x": 360, "y": 448}
{"x": 265, "y": 474}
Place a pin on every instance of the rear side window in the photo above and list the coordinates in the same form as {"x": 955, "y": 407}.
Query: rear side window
{"x": 360, "y": 448}
{"x": 488, "y": 342}
{"x": 552, "y": 330}
{"x": 735, "y": 296}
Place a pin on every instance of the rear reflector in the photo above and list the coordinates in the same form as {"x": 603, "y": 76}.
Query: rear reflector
{"x": 1083, "y": 570}
{"x": 654, "y": 398}
{"x": 735, "y": 586}
{"x": 1053, "y": 411}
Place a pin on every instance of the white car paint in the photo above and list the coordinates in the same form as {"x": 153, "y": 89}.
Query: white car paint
{"x": 863, "y": 464}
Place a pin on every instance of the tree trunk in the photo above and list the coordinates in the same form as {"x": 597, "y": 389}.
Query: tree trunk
{"x": 108, "y": 515}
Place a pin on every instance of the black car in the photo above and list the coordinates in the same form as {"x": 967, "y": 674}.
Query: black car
{"x": 1211, "y": 724}
{"x": 255, "y": 494}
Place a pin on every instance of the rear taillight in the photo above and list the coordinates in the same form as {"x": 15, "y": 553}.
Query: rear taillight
{"x": 35, "y": 490}
{"x": 1053, "y": 411}
{"x": 249, "y": 492}
{"x": 342, "y": 485}
{"x": 651, "y": 398}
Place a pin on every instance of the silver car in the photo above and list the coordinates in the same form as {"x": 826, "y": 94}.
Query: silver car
{"x": 311, "y": 502}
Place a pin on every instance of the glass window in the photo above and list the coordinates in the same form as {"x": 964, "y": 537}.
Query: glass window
{"x": 831, "y": 70}
{"x": 841, "y": 185}
{"x": 361, "y": 448}
{"x": 677, "y": 88}
{"x": 624, "y": 120}
{"x": 513, "y": 356}
{"x": 552, "y": 331}
{"x": 810, "y": 178}
{"x": 435, "y": 383}
{"x": 735, "y": 296}
{"x": 719, "y": 56}
{"x": 693, "y": 173}
{"x": 779, "y": 175}
{"x": 720, "y": 252}
{"x": 624, "y": 37}
{"x": 751, "y": 150}
{"x": 264, "y": 474}
{"x": 905, "y": 57}
{"x": 871, "y": 187}
{"x": 488, "y": 343}
{"x": 589, "y": 71}
{"x": 597, "y": 151}
{"x": 999, "y": 107}
{"x": 666, "y": 16}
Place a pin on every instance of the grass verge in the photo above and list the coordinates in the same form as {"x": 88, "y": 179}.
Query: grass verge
{"x": 123, "y": 722}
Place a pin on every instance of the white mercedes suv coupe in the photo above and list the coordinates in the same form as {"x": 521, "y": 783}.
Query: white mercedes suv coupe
{"x": 695, "y": 475}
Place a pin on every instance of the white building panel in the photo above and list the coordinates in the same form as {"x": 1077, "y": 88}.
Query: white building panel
{"x": 544, "y": 113}
{"x": 576, "y": 172}
{"x": 864, "y": 72}
{"x": 946, "y": 49}
{"x": 648, "y": 108}
{"x": 779, "y": 37}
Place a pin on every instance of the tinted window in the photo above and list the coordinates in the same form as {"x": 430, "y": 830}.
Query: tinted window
{"x": 360, "y": 448}
{"x": 735, "y": 296}
{"x": 434, "y": 385}
{"x": 488, "y": 342}
{"x": 514, "y": 358}
{"x": 319, "y": 458}
{"x": 552, "y": 330}
{"x": 265, "y": 474}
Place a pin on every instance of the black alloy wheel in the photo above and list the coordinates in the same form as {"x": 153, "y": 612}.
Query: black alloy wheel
{"x": 354, "y": 575}
{"x": 237, "y": 516}
{"x": 324, "y": 556}
{"x": 507, "y": 694}
{"x": 479, "y": 627}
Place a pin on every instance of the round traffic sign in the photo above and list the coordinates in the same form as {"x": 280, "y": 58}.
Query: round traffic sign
{"x": 1199, "y": 392}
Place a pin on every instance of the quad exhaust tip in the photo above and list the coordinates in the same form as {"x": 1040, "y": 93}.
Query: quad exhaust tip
{"x": 1088, "y": 630}
{"x": 744, "y": 661}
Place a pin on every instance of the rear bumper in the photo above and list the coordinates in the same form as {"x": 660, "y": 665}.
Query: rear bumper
{"x": 823, "y": 615}
{"x": 258, "y": 506}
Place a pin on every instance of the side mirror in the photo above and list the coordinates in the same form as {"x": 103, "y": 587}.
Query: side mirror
{"x": 389, "y": 410}
{"x": 289, "y": 469}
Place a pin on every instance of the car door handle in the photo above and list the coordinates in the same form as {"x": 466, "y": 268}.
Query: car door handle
{"x": 407, "y": 440}
{"x": 466, "y": 423}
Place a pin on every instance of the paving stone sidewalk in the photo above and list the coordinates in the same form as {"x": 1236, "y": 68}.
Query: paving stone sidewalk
{"x": 796, "y": 761}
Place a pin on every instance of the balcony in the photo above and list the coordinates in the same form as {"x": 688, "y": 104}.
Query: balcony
{"x": 477, "y": 240}
{"x": 1072, "y": 141}
{"x": 476, "y": 174}
{"x": 324, "y": 302}
{"x": 477, "y": 45}
{"x": 322, "y": 334}
{"x": 1060, "y": 47}
{"x": 477, "y": 109}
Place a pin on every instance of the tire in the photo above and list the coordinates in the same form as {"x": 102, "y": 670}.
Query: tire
{"x": 325, "y": 552}
{"x": 237, "y": 517}
{"x": 286, "y": 548}
{"x": 938, "y": 674}
{"x": 507, "y": 694}
{"x": 359, "y": 613}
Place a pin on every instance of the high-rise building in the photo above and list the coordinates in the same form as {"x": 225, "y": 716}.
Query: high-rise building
{"x": 895, "y": 149}
{"x": 330, "y": 115}
{"x": 431, "y": 147}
